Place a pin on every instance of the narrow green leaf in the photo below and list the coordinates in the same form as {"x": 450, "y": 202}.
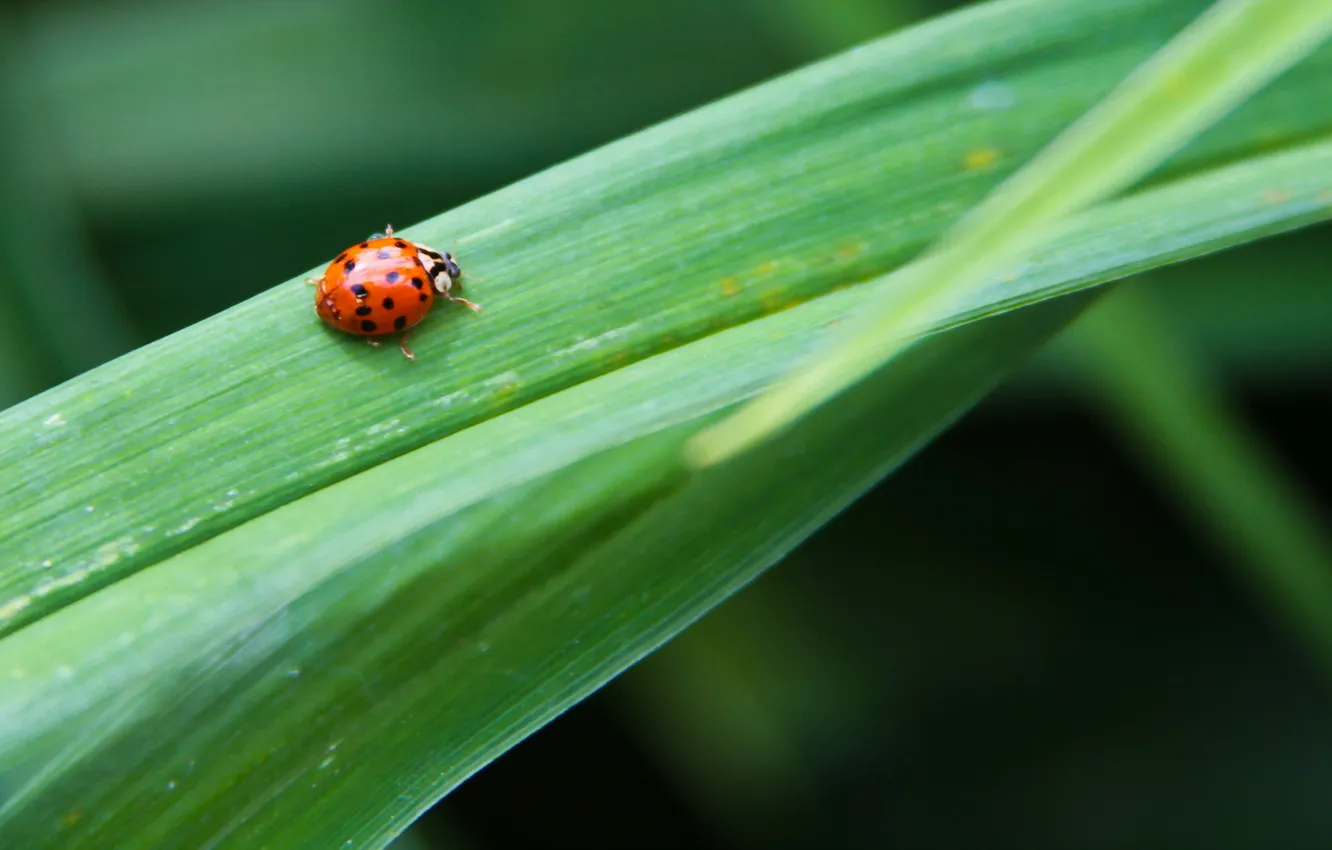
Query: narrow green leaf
{"x": 1215, "y": 64}
{"x": 376, "y": 657}
{"x": 434, "y": 609}
{"x": 1236, "y": 490}
{"x": 825, "y": 178}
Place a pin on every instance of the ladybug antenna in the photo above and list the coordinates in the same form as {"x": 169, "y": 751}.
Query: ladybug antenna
{"x": 453, "y": 252}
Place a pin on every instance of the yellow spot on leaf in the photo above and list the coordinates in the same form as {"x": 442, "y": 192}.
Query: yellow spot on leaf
{"x": 773, "y": 301}
{"x": 730, "y": 287}
{"x": 979, "y": 158}
{"x": 850, "y": 251}
{"x": 1276, "y": 196}
{"x": 503, "y": 384}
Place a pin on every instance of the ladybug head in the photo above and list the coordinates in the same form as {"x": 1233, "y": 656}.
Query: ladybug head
{"x": 442, "y": 268}
{"x": 451, "y": 266}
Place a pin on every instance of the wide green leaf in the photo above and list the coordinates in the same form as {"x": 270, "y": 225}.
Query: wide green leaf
{"x": 431, "y": 611}
{"x": 375, "y": 661}
{"x": 823, "y": 179}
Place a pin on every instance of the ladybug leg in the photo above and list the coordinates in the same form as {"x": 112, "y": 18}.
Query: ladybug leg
{"x": 315, "y": 282}
{"x": 446, "y": 292}
{"x": 373, "y": 343}
{"x": 475, "y": 308}
{"x": 402, "y": 343}
{"x": 444, "y": 274}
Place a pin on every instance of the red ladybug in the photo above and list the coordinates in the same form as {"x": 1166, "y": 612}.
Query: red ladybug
{"x": 385, "y": 285}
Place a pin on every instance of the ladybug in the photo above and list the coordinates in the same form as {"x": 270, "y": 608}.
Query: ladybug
{"x": 385, "y": 285}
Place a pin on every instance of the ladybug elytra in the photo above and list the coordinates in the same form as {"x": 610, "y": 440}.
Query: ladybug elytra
{"x": 385, "y": 285}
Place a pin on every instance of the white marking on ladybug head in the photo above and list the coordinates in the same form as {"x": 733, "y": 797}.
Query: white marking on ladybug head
{"x": 438, "y": 266}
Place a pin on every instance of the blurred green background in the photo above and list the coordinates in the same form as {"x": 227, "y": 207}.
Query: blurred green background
{"x": 1024, "y": 639}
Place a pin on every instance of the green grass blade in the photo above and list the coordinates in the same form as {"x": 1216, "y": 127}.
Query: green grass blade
{"x": 570, "y": 513}
{"x": 1180, "y": 423}
{"x": 377, "y": 657}
{"x": 1215, "y": 64}
{"x": 826, "y": 178}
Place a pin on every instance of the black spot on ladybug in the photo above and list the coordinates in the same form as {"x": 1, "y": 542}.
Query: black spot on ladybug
{"x": 400, "y": 322}
{"x": 349, "y": 265}
{"x": 359, "y": 291}
{"x": 367, "y": 325}
{"x": 425, "y": 297}
{"x": 341, "y": 257}
{"x": 383, "y": 255}
{"x": 392, "y": 277}
{"x": 365, "y": 244}
{"x": 401, "y": 244}
{"x": 388, "y": 303}
{"x": 417, "y": 282}
{"x": 363, "y": 310}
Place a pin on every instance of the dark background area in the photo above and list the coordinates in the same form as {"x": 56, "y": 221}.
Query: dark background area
{"x": 1023, "y": 639}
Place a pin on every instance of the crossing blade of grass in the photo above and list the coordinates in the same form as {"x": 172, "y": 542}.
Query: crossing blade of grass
{"x": 321, "y": 674}
{"x": 1234, "y": 49}
{"x": 823, "y": 179}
